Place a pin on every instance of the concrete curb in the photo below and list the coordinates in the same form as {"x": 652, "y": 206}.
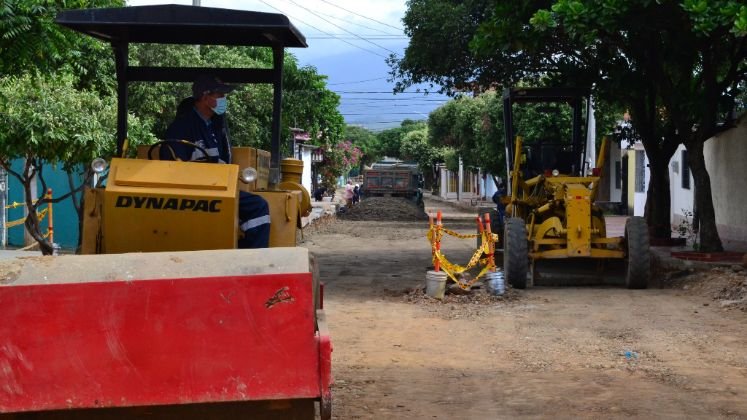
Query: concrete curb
{"x": 663, "y": 261}
{"x": 464, "y": 205}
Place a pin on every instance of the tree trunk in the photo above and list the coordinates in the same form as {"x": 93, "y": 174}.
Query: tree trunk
{"x": 709, "y": 237}
{"x": 32, "y": 223}
{"x": 658, "y": 198}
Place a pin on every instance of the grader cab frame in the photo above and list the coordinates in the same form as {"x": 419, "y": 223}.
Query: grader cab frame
{"x": 551, "y": 211}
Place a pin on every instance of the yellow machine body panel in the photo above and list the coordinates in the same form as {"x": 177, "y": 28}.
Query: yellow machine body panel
{"x": 578, "y": 219}
{"x": 152, "y": 206}
{"x": 243, "y": 156}
{"x": 284, "y": 216}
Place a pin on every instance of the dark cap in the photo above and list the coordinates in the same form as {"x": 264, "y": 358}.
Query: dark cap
{"x": 209, "y": 84}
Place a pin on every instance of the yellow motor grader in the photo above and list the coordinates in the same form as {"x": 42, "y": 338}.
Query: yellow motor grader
{"x": 550, "y": 213}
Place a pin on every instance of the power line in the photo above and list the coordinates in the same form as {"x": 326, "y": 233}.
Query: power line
{"x": 367, "y": 36}
{"x": 313, "y": 27}
{"x": 359, "y": 24}
{"x": 396, "y": 99}
{"x": 382, "y": 91}
{"x": 340, "y": 27}
{"x": 365, "y": 17}
{"x": 378, "y": 122}
{"x": 357, "y": 81}
{"x": 384, "y": 113}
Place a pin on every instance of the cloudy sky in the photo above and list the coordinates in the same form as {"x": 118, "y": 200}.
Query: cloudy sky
{"x": 348, "y": 42}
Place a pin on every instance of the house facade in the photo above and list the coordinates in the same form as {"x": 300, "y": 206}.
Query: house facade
{"x": 627, "y": 177}
{"x": 725, "y": 155}
{"x": 463, "y": 184}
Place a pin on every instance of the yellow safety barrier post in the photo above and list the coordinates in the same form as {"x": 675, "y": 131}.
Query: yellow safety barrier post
{"x": 435, "y": 234}
{"x": 40, "y": 214}
{"x": 50, "y": 225}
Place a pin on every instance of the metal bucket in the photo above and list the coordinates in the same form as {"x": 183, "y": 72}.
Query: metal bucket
{"x": 435, "y": 284}
{"x": 495, "y": 283}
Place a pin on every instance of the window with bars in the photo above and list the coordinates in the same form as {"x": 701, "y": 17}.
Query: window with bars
{"x": 452, "y": 182}
{"x": 685, "y": 171}
{"x": 618, "y": 175}
{"x": 640, "y": 171}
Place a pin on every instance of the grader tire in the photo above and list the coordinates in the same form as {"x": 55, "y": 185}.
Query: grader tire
{"x": 638, "y": 264}
{"x": 515, "y": 255}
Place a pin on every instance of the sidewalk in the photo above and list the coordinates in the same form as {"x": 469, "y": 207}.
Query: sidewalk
{"x": 320, "y": 209}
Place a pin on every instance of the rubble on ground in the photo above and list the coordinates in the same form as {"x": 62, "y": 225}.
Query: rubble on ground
{"x": 384, "y": 209}
{"x": 461, "y": 305}
{"x": 725, "y": 285}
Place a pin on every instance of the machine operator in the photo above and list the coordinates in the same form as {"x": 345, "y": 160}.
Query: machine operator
{"x": 200, "y": 119}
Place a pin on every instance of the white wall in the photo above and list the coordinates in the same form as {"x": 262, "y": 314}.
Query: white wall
{"x": 682, "y": 198}
{"x": 725, "y": 156}
{"x": 466, "y": 192}
{"x": 306, "y": 176}
{"x": 640, "y": 197}
{"x": 614, "y": 159}
{"x": 488, "y": 187}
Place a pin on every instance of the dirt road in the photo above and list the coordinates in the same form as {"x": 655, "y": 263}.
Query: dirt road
{"x": 595, "y": 352}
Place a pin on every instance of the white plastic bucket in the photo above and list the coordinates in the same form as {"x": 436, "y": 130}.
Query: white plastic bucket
{"x": 435, "y": 284}
{"x": 495, "y": 283}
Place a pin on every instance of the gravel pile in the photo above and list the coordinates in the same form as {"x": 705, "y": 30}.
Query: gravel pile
{"x": 457, "y": 305}
{"x": 726, "y": 286}
{"x": 384, "y": 209}
{"x": 729, "y": 287}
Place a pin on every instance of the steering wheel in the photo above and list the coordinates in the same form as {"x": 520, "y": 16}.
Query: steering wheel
{"x": 204, "y": 158}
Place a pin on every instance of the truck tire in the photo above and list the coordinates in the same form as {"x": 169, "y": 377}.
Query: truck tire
{"x": 515, "y": 254}
{"x": 638, "y": 261}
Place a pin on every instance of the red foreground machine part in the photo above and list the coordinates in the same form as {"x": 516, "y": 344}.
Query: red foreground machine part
{"x": 74, "y": 343}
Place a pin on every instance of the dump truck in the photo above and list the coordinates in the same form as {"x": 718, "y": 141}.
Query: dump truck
{"x": 550, "y": 213}
{"x": 164, "y": 317}
{"x": 393, "y": 181}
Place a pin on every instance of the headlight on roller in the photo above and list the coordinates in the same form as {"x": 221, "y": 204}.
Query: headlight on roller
{"x": 248, "y": 175}
{"x": 98, "y": 165}
{"x": 555, "y": 172}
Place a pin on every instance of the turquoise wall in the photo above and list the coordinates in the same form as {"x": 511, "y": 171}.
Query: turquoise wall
{"x": 65, "y": 216}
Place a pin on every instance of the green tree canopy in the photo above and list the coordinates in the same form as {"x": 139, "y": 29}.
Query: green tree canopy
{"x": 439, "y": 52}
{"x": 389, "y": 141}
{"x": 416, "y": 148}
{"x": 30, "y": 40}
{"x": 365, "y": 140}
{"x": 46, "y": 119}
{"x": 677, "y": 65}
{"x": 307, "y": 103}
{"x": 472, "y": 127}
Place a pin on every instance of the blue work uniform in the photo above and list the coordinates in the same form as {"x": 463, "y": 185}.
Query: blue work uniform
{"x": 211, "y": 134}
{"x": 499, "y": 206}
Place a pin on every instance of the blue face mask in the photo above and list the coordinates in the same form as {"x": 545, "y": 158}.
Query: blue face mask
{"x": 220, "y": 106}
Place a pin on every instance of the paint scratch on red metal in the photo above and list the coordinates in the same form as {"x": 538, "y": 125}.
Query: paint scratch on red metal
{"x": 281, "y": 296}
{"x": 157, "y": 342}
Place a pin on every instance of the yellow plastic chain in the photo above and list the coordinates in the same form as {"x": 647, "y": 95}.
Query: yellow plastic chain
{"x": 39, "y": 214}
{"x": 434, "y": 235}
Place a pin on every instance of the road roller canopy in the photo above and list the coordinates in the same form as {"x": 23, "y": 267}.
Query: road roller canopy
{"x": 176, "y": 24}
{"x": 191, "y": 25}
